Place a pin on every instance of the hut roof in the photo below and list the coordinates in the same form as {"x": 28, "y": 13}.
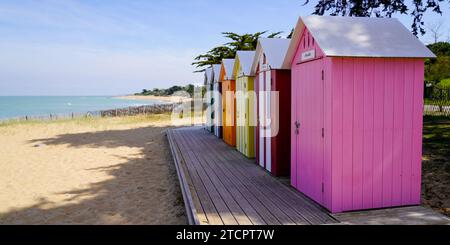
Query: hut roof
{"x": 275, "y": 50}
{"x": 245, "y": 61}
{"x": 227, "y": 66}
{"x": 216, "y": 73}
{"x": 359, "y": 37}
{"x": 208, "y": 75}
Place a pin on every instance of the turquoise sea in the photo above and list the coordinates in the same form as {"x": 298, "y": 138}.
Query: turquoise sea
{"x": 18, "y": 106}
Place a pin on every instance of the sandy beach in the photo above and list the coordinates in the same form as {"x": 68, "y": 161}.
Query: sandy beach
{"x": 170, "y": 99}
{"x": 115, "y": 171}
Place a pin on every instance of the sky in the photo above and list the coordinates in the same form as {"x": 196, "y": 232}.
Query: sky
{"x": 118, "y": 47}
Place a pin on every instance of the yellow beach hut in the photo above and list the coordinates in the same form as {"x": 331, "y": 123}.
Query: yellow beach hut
{"x": 245, "y": 103}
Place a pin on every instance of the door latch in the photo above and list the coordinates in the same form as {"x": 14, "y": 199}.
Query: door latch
{"x": 297, "y": 127}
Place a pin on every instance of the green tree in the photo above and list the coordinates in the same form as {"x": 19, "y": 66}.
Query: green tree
{"x": 439, "y": 69}
{"x": 228, "y": 51}
{"x": 381, "y": 8}
{"x": 440, "y": 48}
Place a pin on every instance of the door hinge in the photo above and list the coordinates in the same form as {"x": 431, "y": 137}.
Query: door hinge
{"x": 323, "y": 187}
{"x": 323, "y": 132}
{"x": 323, "y": 75}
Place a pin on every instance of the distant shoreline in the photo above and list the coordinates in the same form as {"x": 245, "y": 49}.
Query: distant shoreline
{"x": 173, "y": 99}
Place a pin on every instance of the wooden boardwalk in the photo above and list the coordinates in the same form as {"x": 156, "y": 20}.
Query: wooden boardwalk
{"x": 222, "y": 187}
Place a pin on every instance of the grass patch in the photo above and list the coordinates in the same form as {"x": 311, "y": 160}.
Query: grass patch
{"x": 92, "y": 120}
{"x": 436, "y": 164}
{"x": 445, "y": 83}
{"x": 437, "y": 102}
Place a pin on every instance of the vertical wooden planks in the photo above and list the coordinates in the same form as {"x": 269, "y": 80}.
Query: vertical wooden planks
{"x": 416, "y": 167}
{"x": 302, "y": 150}
{"x": 358, "y": 140}
{"x": 261, "y": 103}
{"x": 399, "y": 91}
{"x": 347, "y": 163}
{"x": 321, "y": 131}
{"x": 337, "y": 134}
{"x": 268, "y": 138}
{"x": 257, "y": 114}
{"x": 408, "y": 108}
{"x": 301, "y": 155}
{"x": 388, "y": 118}
{"x": 368, "y": 133}
{"x": 251, "y": 122}
{"x": 294, "y": 118}
{"x": 328, "y": 132}
{"x": 377, "y": 168}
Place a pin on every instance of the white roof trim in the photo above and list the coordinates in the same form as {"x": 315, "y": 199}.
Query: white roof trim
{"x": 359, "y": 37}
{"x": 275, "y": 50}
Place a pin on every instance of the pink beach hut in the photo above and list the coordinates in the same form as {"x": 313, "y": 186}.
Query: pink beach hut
{"x": 357, "y": 112}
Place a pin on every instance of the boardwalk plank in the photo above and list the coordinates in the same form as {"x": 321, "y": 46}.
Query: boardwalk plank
{"x": 210, "y": 210}
{"x": 302, "y": 205}
{"x": 275, "y": 205}
{"x": 211, "y": 180}
{"x": 253, "y": 206}
{"x": 236, "y": 189}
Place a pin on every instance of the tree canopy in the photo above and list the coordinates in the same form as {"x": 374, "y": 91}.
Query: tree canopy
{"x": 168, "y": 92}
{"x": 228, "y": 50}
{"x": 380, "y": 8}
{"x": 438, "y": 69}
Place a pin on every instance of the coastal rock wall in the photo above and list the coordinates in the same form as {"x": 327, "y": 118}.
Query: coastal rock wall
{"x": 140, "y": 110}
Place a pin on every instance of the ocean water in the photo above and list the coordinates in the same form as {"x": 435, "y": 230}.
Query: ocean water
{"x": 17, "y": 106}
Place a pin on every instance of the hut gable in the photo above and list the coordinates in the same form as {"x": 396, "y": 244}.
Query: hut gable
{"x": 226, "y": 70}
{"x": 274, "y": 50}
{"x": 358, "y": 37}
{"x": 208, "y": 75}
{"x": 308, "y": 49}
{"x": 243, "y": 63}
{"x": 216, "y": 73}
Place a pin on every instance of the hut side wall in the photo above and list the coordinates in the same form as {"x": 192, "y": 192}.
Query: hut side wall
{"x": 377, "y": 117}
{"x": 281, "y": 162}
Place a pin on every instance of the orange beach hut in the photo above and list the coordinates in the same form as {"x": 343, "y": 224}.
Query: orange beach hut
{"x": 228, "y": 101}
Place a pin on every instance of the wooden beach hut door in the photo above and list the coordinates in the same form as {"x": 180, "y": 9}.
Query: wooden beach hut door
{"x": 309, "y": 133}
{"x": 264, "y": 104}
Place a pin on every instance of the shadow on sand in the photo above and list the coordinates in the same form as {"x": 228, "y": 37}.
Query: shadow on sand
{"x": 142, "y": 189}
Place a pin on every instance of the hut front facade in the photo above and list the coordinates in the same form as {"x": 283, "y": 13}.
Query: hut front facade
{"x": 245, "y": 103}
{"x": 228, "y": 101}
{"x": 273, "y": 86}
{"x": 209, "y": 113}
{"x": 357, "y": 112}
{"x": 217, "y": 101}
